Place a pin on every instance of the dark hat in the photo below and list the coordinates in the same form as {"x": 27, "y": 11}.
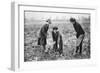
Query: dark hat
{"x": 55, "y": 28}
{"x": 72, "y": 19}
{"x": 48, "y": 20}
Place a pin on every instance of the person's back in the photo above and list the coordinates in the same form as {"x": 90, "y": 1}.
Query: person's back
{"x": 79, "y": 30}
{"x": 43, "y": 31}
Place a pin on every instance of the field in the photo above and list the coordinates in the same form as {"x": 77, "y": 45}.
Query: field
{"x": 34, "y": 52}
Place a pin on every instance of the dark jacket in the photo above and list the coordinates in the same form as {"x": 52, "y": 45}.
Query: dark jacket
{"x": 79, "y": 30}
{"x": 43, "y": 35}
{"x": 57, "y": 38}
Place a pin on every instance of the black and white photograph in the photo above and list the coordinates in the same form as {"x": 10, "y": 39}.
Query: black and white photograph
{"x": 53, "y": 36}
{"x": 50, "y": 36}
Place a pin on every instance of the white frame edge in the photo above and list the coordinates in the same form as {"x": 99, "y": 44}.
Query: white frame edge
{"x": 14, "y": 36}
{"x": 15, "y": 30}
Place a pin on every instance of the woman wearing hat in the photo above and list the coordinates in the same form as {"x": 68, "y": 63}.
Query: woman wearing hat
{"x": 43, "y": 34}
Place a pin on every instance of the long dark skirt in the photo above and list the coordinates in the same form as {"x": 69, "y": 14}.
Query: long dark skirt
{"x": 42, "y": 42}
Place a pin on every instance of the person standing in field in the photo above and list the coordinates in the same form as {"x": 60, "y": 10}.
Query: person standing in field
{"x": 79, "y": 34}
{"x": 57, "y": 39}
{"x": 43, "y": 34}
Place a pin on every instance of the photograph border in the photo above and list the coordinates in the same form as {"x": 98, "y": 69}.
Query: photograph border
{"x": 15, "y": 33}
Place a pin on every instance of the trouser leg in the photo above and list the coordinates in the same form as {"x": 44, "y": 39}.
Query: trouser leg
{"x": 80, "y": 46}
{"x": 77, "y": 48}
{"x": 80, "y": 50}
{"x": 60, "y": 51}
{"x": 55, "y": 47}
{"x": 44, "y": 47}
